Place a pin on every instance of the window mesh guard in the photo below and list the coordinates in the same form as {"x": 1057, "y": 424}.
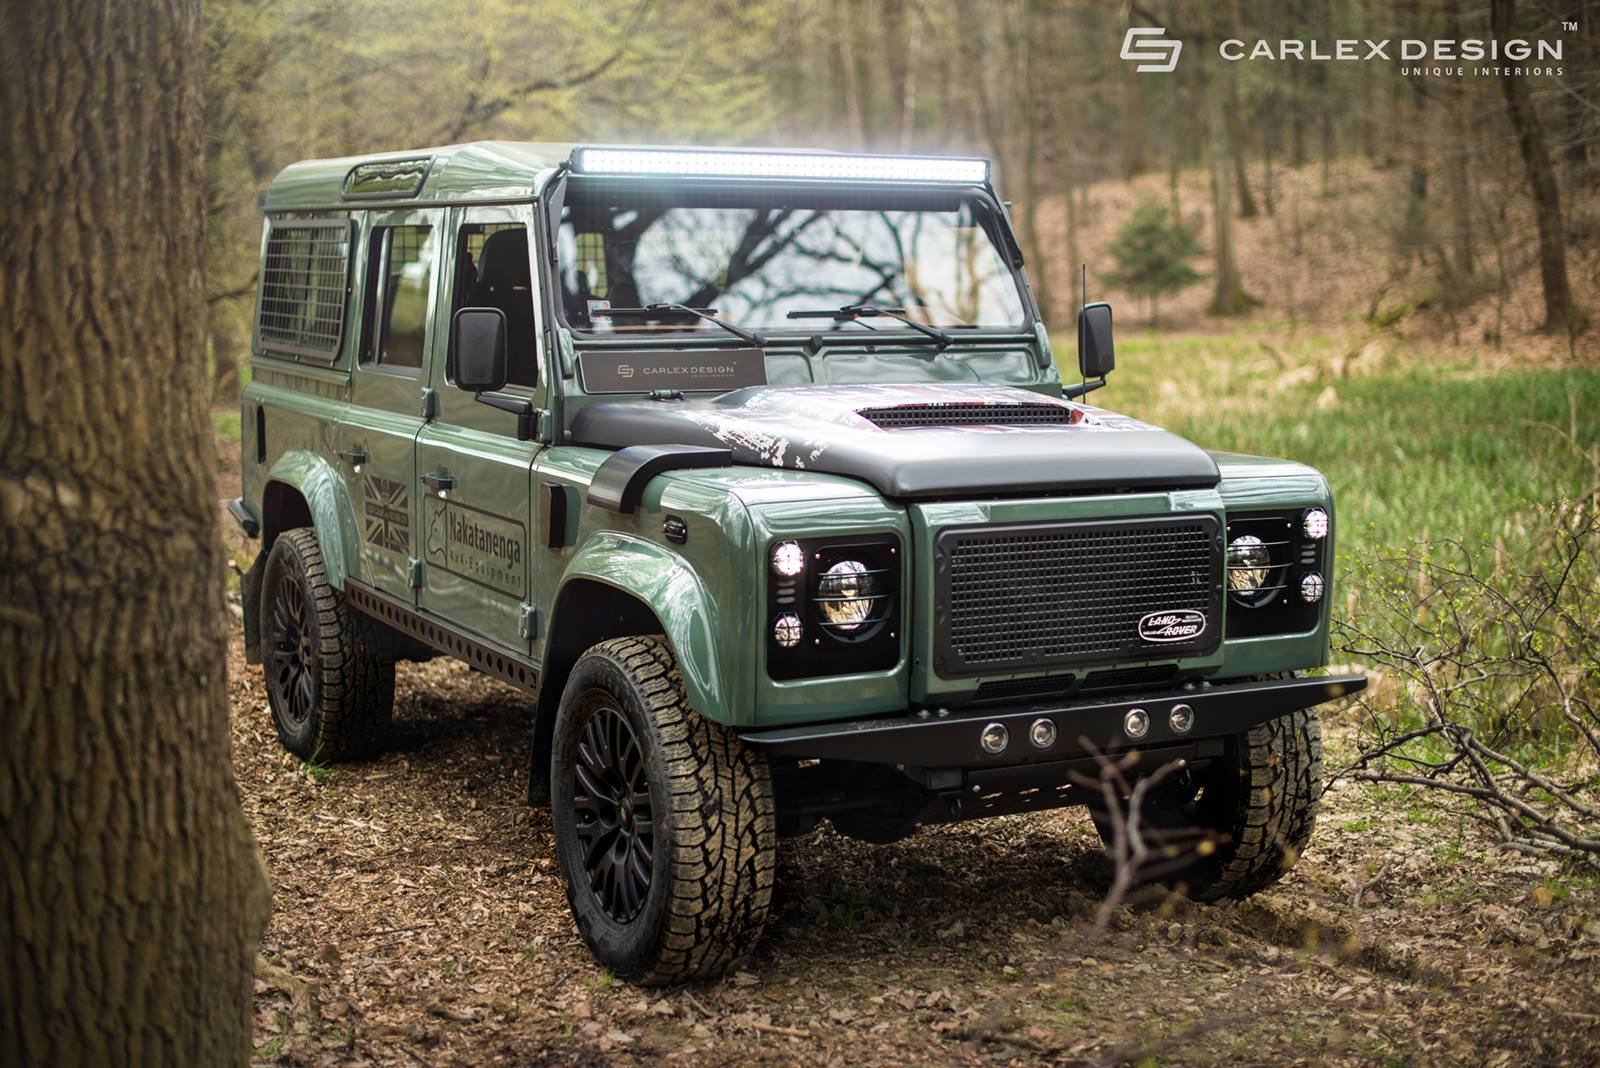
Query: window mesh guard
{"x": 304, "y": 283}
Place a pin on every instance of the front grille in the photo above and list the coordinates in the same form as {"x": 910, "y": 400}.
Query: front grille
{"x": 1045, "y": 594}
{"x": 1014, "y": 691}
{"x": 1130, "y": 678}
{"x": 904, "y": 416}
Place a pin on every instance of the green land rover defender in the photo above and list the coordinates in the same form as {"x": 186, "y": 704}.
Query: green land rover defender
{"x": 756, "y": 472}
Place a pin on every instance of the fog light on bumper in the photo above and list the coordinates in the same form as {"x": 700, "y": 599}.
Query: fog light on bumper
{"x": 994, "y": 738}
{"x": 1181, "y": 719}
{"x": 1042, "y": 734}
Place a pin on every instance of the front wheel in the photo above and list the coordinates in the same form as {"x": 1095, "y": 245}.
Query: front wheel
{"x": 663, "y": 820}
{"x": 1238, "y": 825}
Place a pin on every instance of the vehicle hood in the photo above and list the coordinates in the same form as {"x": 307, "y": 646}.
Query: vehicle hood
{"x": 915, "y": 441}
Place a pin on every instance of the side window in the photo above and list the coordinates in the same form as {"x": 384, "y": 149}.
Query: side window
{"x": 304, "y": 276}
{"x": 400, "y": 263}
{"x": 492, "y": 271}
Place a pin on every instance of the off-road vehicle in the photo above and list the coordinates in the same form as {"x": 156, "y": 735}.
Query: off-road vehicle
{"x": 756, "y": 472}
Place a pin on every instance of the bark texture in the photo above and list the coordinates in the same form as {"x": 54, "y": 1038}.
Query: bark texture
{"x": 131, "y": 892}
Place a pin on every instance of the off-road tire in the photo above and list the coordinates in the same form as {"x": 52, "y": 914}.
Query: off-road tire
{"x": 344, "y": 708}
{"x": 711, "y": 815}
{"x": 1263, "y": 794}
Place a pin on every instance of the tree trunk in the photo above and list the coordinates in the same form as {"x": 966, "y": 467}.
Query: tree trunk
{"x": 225, "y": 329}
{"x": 1229, "y": 297}
{"x": 1559, "y": 312}
{"x": 1029, "y": 91}
{"x": 850, "y": 82}
{"x": 133, "y": 896}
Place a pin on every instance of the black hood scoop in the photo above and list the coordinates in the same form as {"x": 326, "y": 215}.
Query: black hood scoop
{"x": 914, "y": 441}
{"x": 970, "y": 413}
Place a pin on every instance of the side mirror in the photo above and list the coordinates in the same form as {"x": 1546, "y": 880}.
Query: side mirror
{"x": 1096, "y": 356}
{"x": 478, "y": 340}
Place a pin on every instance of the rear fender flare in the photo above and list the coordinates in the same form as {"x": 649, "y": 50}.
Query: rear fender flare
{"x": 332, "y": 517}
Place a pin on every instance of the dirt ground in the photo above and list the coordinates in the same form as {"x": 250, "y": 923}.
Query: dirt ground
{"x": 418, "y": 917}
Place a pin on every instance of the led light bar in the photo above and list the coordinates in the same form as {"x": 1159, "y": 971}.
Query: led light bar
{"x": 700, "y": 163}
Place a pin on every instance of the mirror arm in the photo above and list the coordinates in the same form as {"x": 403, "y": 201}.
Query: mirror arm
{"x": 1075, "y": 391}
{"x": 522, "y": 408}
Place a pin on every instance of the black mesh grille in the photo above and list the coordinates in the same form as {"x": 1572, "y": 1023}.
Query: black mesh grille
{"x": 903, "y": 416}
{"x": 303, "y": 285}
{"x": 1045, "y": 594}
{"x": 1119, "y": 678}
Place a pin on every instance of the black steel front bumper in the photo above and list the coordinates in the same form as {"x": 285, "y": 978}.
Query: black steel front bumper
{"x": 938, "y": 739}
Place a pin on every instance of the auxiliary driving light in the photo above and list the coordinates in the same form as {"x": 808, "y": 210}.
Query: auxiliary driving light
{"x": 1312, "y": 587}
{"x": 788, "y": 559}
{"x": 786, "y": 630}
{"x": 845, "y": 595}
{"x": 1249, "y": 563}
{"x": 1042, "y": 734}
{"x": 994, "y": 738}
{"x": 1136, "y": 724}
{"x": 1314, "y": 524}
{"x": 1181, "y": 719}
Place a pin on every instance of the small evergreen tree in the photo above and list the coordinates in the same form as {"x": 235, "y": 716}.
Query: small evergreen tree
{"x": 1152, "y": 253}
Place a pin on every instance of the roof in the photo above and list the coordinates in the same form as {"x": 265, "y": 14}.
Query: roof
{"x": 478, "y": 171}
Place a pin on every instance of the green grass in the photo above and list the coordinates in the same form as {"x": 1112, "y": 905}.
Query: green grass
{"x": 226, "y": 424}
{"x": 1411, "y": 450}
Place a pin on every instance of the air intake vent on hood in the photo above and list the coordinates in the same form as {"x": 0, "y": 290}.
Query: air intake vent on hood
{"x": 904, "y": 416}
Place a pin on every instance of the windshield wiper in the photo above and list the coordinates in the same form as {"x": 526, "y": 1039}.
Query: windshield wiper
{"x": 708, "y": 314}
{"x": 852, "y": 312}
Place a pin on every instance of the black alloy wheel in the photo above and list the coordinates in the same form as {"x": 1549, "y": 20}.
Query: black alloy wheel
{"x": 291, "y": 655}
{"x": 613, "y": 817}
{"x": 330, "y": 682}
{"x": 663, "y": 819}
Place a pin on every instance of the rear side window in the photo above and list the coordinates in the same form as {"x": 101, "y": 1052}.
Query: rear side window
{"x": 400, "y": 263}
{"x": 305, "y": 278}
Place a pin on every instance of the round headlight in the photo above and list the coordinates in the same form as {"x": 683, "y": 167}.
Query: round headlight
{"x": 788, "y": 559}
{"x": 1312, "y": 587}
{"x": 1249, "y": 563}
{"x": 786, "y": 630}
{"x": 1314, "y": 524}
{"x": 844, "y": 595}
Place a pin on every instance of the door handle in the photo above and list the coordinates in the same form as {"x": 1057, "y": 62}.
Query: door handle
{"x": 439, "y": 481}
{"x": 354, "y": 457}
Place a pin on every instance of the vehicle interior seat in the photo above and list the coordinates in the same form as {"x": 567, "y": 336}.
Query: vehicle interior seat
{"x": 506, "y": 282}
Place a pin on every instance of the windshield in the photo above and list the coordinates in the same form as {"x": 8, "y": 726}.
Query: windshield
{"x": 756, "y": 255}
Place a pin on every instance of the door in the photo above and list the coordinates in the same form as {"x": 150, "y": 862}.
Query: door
{"x": 476, "y": 516}
{"x": 377, "y": 436}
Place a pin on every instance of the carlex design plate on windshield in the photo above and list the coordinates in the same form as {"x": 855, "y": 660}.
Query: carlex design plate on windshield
{"x": 640, "y": 371}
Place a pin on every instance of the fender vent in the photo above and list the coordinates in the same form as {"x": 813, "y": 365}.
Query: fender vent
{"x": 907, "y": 416}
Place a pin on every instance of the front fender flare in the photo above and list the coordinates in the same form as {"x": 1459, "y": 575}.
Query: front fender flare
{"x": 332, "y": 516}
{"x": 675, "y": 594}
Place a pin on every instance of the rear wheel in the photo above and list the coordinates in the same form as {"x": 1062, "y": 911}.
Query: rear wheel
{"x": 1236, "y": 826}
{"x": 330, "y": 690}
{"x": 663, "y": 820}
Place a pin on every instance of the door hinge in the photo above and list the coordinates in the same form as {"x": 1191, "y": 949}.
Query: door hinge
{"x": 430, "y": 402}
{"x": 414, "y": 573}
{"x": 529, "y": 624}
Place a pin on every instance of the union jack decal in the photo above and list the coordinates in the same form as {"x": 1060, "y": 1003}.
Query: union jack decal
{"x": 388, "y": 513}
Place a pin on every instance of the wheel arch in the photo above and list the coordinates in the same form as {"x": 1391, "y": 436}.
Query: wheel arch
{"x": 303, "y": 489}
{"x": 618, "y": 586}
